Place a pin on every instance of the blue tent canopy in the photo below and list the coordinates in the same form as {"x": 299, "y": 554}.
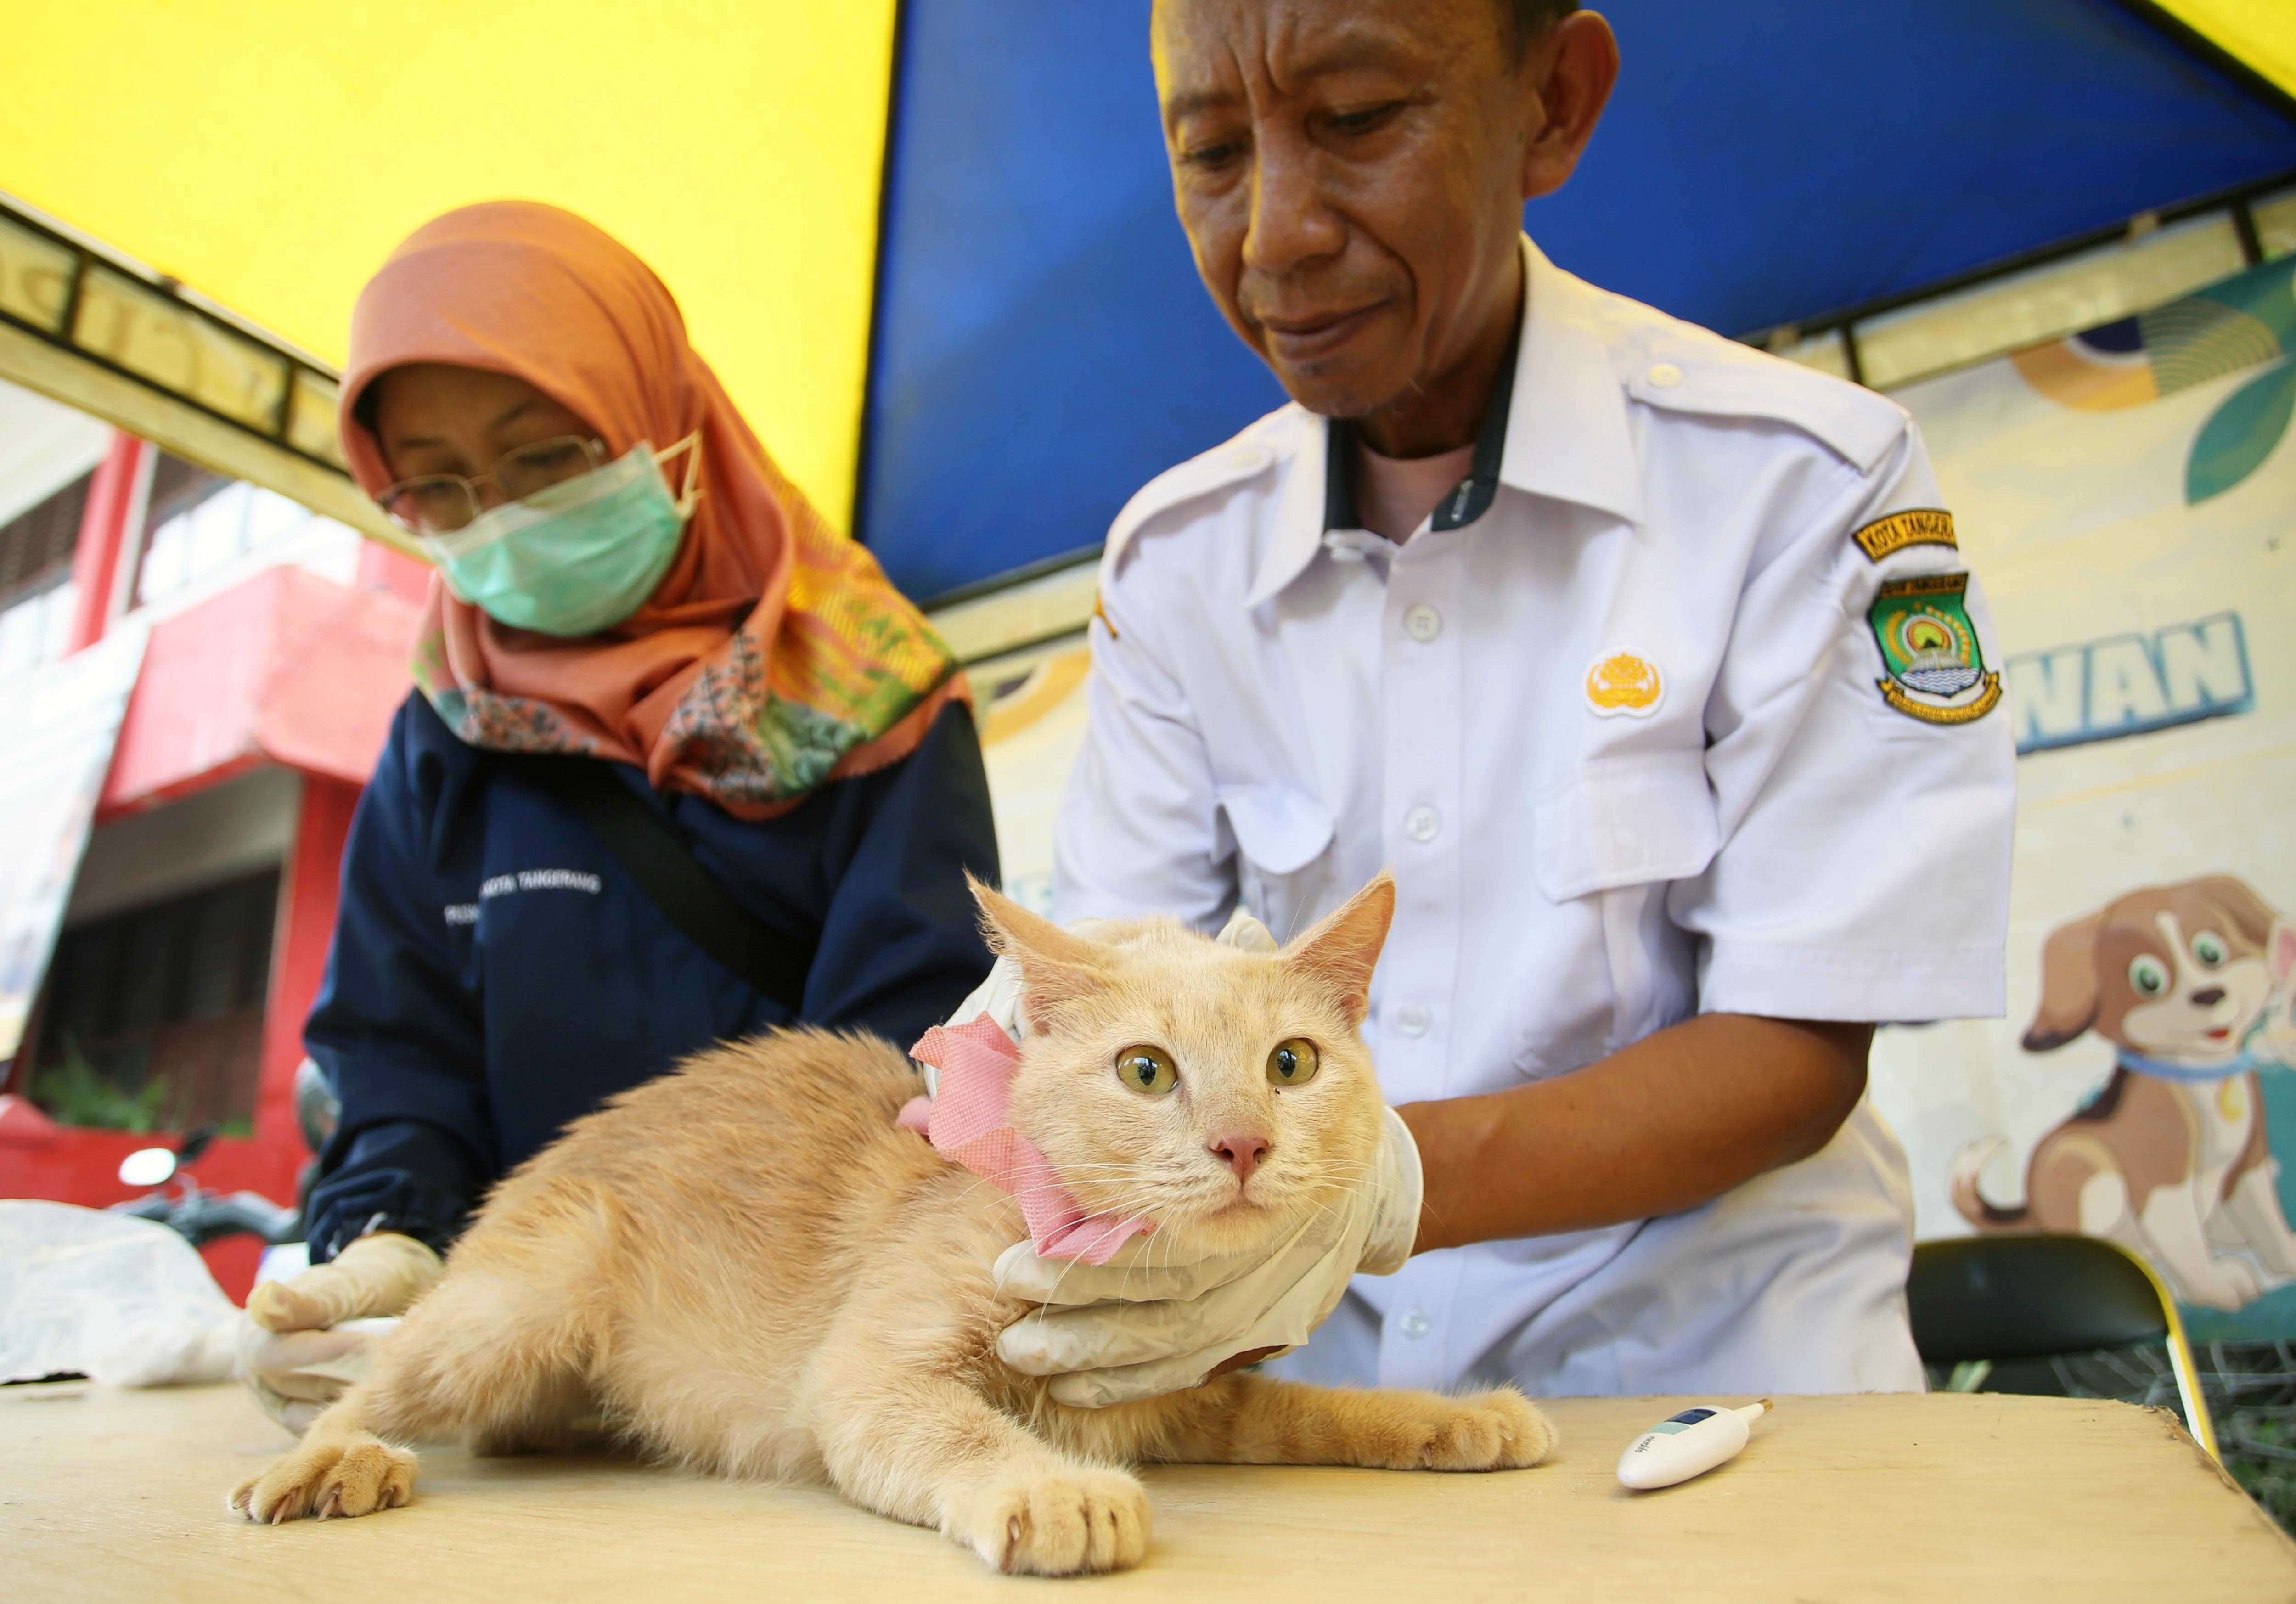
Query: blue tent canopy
{"x": 1042, "y": 347}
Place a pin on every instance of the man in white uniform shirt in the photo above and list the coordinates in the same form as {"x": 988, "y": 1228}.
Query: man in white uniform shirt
{"x": 1645, "y": 660}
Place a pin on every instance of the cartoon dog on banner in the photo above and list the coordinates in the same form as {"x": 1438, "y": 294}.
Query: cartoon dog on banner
{"x": 2192, "y": 984}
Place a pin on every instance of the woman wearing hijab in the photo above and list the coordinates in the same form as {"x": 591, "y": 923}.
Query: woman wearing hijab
{"x": 624, "y": 581}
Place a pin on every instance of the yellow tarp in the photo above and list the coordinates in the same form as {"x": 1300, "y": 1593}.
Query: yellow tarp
{"x": 2262, "y": 33}
{"x": 270, "y": 152}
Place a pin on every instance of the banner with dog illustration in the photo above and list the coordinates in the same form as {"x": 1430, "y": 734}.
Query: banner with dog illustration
{"x": 2128, "y": 497}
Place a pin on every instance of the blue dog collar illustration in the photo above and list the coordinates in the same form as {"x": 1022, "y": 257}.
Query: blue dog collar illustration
{"x": 2163, "y": 1069}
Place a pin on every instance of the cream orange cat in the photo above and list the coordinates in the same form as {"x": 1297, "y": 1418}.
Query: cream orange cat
{"x": 746, "y": 1267}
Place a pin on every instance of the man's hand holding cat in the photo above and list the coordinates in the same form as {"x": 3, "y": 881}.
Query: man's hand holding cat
{"x": 1137, "y": 1329}
{"x": 307, "y": 1338}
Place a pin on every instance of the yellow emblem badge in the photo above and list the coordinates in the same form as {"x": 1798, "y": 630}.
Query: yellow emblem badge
{"x": 1624, "y": 685}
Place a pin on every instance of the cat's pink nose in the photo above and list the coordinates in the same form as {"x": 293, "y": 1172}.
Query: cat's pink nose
{"x": 1242, "y": 1153}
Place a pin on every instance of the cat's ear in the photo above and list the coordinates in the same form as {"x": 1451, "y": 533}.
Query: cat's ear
{"x": 1055, "y": 966}
{"x": 1340, "y": 952}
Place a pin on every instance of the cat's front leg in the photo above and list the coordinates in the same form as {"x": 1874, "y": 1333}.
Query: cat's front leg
{"x": 1251, "y": 1420}
{"x": 931, "y": 1452}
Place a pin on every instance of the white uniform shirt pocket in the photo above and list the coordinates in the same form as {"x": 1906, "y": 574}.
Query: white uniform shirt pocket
{"x": 1284, "y": 857}
{"x": 1616, "y": 832}
{"x": 1625, "y": 820}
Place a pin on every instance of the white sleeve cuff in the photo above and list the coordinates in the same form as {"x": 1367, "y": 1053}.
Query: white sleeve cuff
{"x": 1885, "y": 988}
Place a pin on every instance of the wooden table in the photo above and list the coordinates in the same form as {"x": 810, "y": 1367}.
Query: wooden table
{"x": 108, "y": 1495}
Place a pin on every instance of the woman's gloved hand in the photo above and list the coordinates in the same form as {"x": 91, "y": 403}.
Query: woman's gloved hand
{"x": 307, "y": 1338}
{"x": 1132, "y": 1330}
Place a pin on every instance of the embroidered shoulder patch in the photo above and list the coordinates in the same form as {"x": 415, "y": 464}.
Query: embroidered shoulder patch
{"x": 1922, "y": 526}
{"x": 1936, "y": 670}
{"x": 1624, "y": 685}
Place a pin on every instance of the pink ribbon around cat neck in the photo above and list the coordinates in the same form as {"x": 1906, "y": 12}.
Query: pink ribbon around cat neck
{"x": 968, "y": 1120}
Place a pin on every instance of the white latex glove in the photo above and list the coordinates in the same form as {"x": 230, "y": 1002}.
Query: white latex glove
{"x": 1132, "y": 1330}
{"x": 295, "y": 1375}
{"x": 304, "y": 1339}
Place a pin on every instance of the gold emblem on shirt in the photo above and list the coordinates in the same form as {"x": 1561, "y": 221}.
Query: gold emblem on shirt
{"x": 1923, "y": 526}
{"x": 1624, "y": 683}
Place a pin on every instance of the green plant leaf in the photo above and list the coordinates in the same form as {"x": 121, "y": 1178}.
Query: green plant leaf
{"x": 75, "y": 1093}
{"x": 2242, "y": 433}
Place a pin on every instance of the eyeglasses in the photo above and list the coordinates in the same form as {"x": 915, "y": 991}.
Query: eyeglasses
{"x": 439, "y": 503}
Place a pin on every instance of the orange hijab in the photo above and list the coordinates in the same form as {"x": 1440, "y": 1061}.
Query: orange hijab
{"x": 773, "y": 656}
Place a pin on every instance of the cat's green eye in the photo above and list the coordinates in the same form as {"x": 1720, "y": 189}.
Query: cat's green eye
{"x": 1149, "y": 1070}
{"x": 1293, "y": 1063}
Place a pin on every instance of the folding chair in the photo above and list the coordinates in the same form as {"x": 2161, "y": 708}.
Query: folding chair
{"x": 2033, "y": 1296}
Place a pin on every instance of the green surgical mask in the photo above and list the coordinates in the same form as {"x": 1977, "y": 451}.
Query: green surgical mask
{"x": 580, "y": 556}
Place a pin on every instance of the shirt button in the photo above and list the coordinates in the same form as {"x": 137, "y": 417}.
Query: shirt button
{"x": 1415, "y": 1324}
{"x": 1665, "y": 375}
{"x": 1414, "y": 1022}
{"x": 1422, "y": 623}
{"x": 1424, "y": 824}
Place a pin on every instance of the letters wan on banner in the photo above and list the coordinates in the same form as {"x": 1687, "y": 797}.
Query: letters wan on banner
{"x": 2130, "y": 684}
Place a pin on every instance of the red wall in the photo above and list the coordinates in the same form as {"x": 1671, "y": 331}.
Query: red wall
{"x": 380, "y": 567}
{"x": 285, "y": 667}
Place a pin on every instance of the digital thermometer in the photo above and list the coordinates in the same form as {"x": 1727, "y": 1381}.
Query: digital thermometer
{"x": 1687, "y": 1444}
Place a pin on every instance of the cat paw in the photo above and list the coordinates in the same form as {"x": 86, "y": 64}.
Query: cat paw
{"x": 1066, "y": 1524}
{"x": 349, "y": 1476}
{"x": 1497, "y": 1430}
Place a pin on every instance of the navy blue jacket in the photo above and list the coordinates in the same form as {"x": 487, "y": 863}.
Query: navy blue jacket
{"x": 495, "y": 974}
